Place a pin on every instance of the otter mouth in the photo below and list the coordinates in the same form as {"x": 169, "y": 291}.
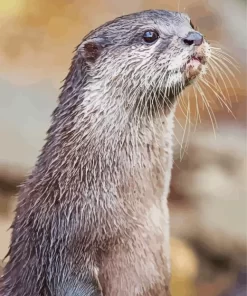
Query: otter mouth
{"x": 194, "y": 66}
{"x": 197, "y": 59}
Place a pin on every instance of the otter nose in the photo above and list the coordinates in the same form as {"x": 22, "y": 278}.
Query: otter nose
{"x": 194, "y": 38}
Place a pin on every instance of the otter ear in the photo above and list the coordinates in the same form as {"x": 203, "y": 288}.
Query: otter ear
{"x": 92, "y": 48}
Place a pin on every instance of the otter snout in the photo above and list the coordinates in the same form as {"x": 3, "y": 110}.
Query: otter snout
{"x": 194, "y": 38}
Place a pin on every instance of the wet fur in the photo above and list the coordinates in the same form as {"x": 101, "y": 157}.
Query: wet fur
{"x": 92, "y": 218}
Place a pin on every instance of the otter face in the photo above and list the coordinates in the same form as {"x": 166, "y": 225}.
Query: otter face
{"x": 157, "y": 52}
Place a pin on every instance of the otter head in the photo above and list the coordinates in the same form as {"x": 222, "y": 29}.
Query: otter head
{"x": 143, "y": 59}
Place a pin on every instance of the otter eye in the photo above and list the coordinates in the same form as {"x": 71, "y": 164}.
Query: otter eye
{"x": 150, "y": 36}
{"x": 191, "y": 24}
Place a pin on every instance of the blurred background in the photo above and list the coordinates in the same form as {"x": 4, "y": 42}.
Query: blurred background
{"x": 208, "y": 191}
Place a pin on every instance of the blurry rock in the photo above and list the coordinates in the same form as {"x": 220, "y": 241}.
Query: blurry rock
{"x": 208, "y": 204}
{"x": 215, "y": 170}
{"x": 211, "y": 178}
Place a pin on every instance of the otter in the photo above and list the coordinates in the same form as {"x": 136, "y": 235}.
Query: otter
{"x": 92, "y": 218}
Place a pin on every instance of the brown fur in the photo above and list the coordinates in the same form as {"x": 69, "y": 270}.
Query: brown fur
{"x": 92, "y": 218}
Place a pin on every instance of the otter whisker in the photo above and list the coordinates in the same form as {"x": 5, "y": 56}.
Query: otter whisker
{"x": 222, "y": 54}
{"x": 185, "y": 129}
{"x": 218, "y": 69}
{"x": 198, "y": 116}
{"x": 223, "y": 58}
{"x": 189, "y": 123}
{"x": 189, "y": 126}
{"x": 212, "y": 72}
{"x": 208, "y": 107}
{"x": 223, "y": 64}
{"x": 210, "y": 86}
{"x": 182, "y": 104}
{"x": 159, "y": 107}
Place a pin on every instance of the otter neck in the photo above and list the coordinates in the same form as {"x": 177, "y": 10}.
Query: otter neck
{"x": 93, "y": 135}
{"x": 93, "y": 138}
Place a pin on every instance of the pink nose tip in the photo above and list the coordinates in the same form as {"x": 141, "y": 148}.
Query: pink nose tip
{"x": 194, "y": 38}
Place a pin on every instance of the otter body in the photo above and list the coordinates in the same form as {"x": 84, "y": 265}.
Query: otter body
{"x": 92, "y": 218}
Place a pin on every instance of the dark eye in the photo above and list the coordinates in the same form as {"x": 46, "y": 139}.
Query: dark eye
{"x": 192, "y": 26}
{"x": 150, "y": 36}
